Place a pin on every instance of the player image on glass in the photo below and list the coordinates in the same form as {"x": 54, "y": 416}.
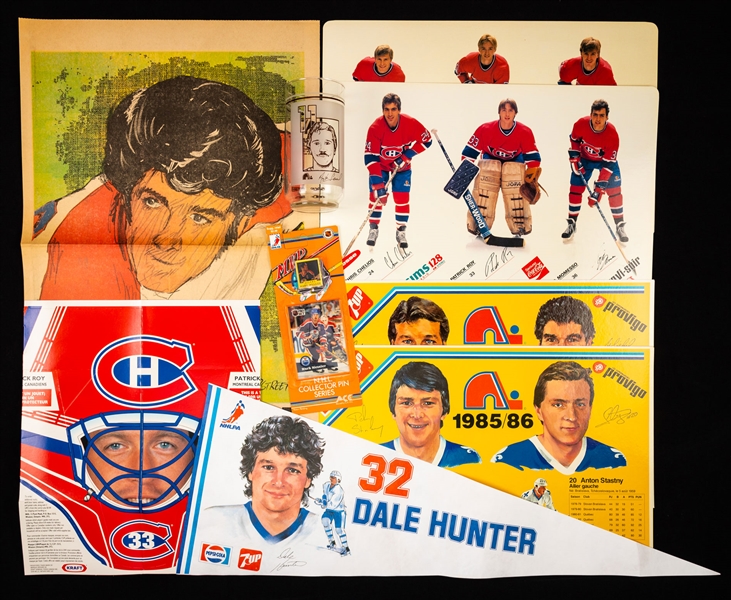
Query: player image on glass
{"x": 418, "y": 322}
{"x": 563, "y": 399}
{"x": 317, "y": 335}
{"x": 419, "y": 401}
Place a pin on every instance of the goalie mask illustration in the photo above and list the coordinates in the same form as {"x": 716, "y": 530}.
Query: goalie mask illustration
{"x": 116, "y": 455}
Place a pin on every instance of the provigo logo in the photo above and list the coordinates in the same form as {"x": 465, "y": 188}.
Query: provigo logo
{"x": 144, "y": 370}
{"x": 218, "y": 555}
{"x": 141, "y": 540}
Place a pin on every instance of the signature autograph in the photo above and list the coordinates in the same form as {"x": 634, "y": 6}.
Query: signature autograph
{"x": 400, "y": 254}
{"x": 617, "y": 415}
{"x": 494, "y": 263}
{"x": 364, "y": 423}
{"x": 603, "y": 261}
{"x": 289, "y": 560}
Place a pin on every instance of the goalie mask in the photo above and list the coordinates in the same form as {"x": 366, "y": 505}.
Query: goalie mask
{"x": 135, "y": 461}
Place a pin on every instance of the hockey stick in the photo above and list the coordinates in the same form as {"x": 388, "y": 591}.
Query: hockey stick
{"x": 614, "y": 237}
{"x": 370, "y": 212}
{"x": 485, "y": 234}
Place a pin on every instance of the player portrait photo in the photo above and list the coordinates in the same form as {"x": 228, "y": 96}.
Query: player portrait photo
{"x": 563, "y": 399}
{"x": 418, "y": 322}
{"x": 419, "y": 401}
{"x": 379, "y": 67}
{"x": 320, "y": 152}
{"x": 280, "y": 458}
{"x": 564, "y": 321}
{"x": 483, "y": 66}
{"x": 589, "y": 68}
{"x": 539, "y": 494}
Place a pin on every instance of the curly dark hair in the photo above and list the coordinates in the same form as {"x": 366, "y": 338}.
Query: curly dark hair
{"x": 289, "y": 436}
{"x": 416, "y": 308}
{"x": 565, "y": 309}
{"x": 199, "y": 134}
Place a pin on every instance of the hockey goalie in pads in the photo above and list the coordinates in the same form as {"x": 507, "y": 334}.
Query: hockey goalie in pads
{"x": 486, "y": 190}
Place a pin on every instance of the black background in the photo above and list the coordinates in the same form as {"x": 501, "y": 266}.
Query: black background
{"x": 692, "y": 479}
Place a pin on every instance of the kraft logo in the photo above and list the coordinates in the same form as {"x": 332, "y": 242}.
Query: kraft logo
{"x": 487, "y": 319}
{"x": 249, "y": 560}
{"x": 487, "y": 385}
{"x": 535, "y": 269}
{"x": 218, "y": 555}
{"x": 74, "y": 567}
{"x": 141, "y": 540}
{"x": 144, "y": 370}
{"x": 358, "y": 302}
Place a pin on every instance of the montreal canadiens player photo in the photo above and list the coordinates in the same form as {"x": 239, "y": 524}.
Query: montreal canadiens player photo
{"x": 588, "y": 68}
{"x": 594, "y": 147}
{"x": 379, "y": 67}
{"x": 419, "y": 400}
{"x": 563, "y": 398}
{"x": 393, "y": 140}
{"x": 506, "y": 154}
{"x": 483, "y": 66}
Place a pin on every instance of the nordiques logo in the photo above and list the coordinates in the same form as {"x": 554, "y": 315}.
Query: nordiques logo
{"x": 144, "y": 370}
{"x": 141, "y": 540}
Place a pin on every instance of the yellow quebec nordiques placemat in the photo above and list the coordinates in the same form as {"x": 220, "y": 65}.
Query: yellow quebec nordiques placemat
{"x": 583, "y": 451}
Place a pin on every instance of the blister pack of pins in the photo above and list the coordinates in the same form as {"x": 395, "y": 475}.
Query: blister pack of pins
{"x": 307, "y": 272}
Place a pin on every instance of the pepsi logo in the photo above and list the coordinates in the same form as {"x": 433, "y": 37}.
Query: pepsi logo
{"x": 144, "y": 370}
{"x": 218, "y": 555}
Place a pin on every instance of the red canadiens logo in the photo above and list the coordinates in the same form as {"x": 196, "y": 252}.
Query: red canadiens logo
{"x": 358, "y": 302}
{"x": 249, "y": 560}
{"x": 535, "y": 269}
{"x": 141, "y": 540}
{"x": 144, "y": 370}
{"x": 74, "y": 567}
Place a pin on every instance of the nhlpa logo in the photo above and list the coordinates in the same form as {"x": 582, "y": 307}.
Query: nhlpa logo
{"x": 275, "y": 241}
{"x": 141, "y": 540}
{"x": 230, "y": 421}
{"x": 144, "y": 370}
{"x": 249, "y": 560}
{"x": 218, "y": 555}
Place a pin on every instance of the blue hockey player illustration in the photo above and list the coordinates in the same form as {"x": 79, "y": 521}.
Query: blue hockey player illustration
{"x": 333, "y": 501}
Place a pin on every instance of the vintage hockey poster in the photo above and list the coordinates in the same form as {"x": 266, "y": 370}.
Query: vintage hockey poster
{"x": 281, "y": 495}
{"x": 113, "y": 396}
{"x": 522, "y": 314}
{"x": 420, "y": 232}
{"x": 576, "y": 423}
{"x": 434, "y": 51}
{"x": 165, "y": 217}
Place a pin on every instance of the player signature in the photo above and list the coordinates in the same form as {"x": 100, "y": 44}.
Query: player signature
{"x": 289, "y": 560}
{"x": 617, "y": 415}
{"x": 400, "y": 255}
{"x": 495, "y": 261}
{"x": 325, "y": 177}
{"x": 364, "y": 423}
{"x": 603, "y": 261}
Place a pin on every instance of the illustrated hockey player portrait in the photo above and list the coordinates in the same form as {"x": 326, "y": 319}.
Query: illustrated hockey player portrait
{"x": 539, "y": 494}
{"x": 594, "y": 147}
{"x": 393, "y": 140}
{"x": 418, "y": 322}
{"x": 280, "y": 458}
{"x": 483, "y": 66}
{"x": 191, "y": 165}
{"x": 564, "y": 321}
{"x": 419, "y": 401}
{"x": 563, "y": 399}
{"x": 333, "y": 501}
{"x": 588, "y": 68}
{"x": 379, "y": 67}
{"x": 322, "y": 146}
{"x": 506, "y": 154}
